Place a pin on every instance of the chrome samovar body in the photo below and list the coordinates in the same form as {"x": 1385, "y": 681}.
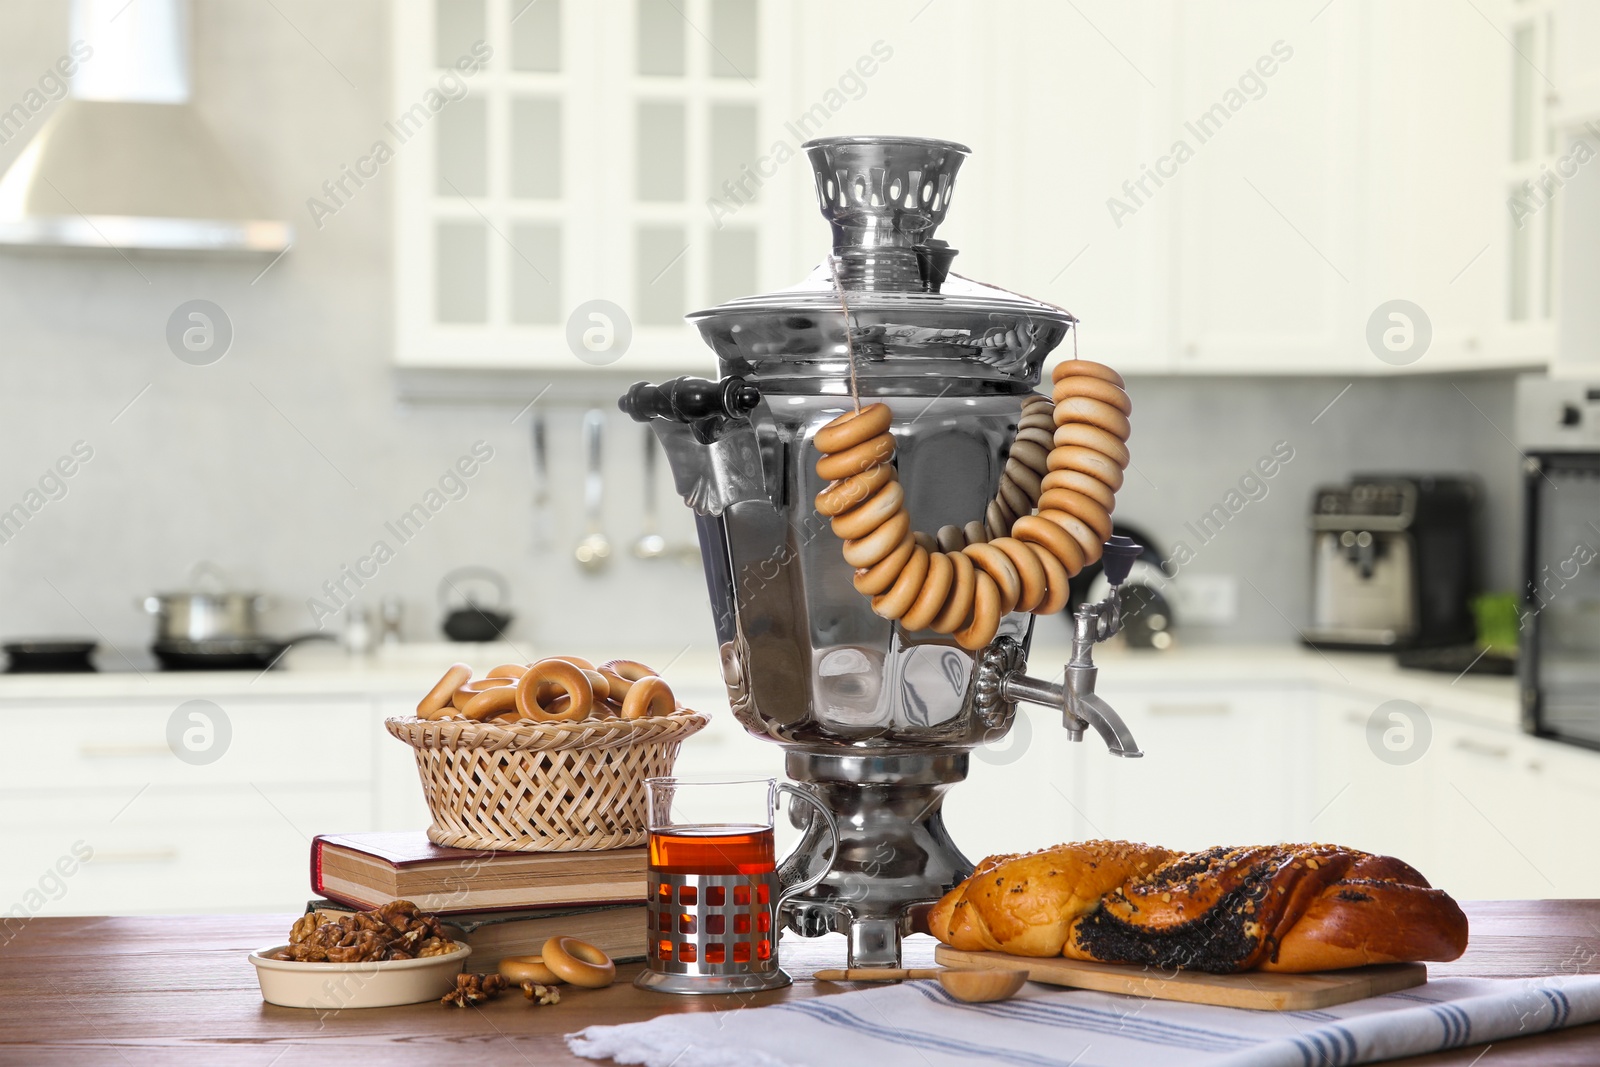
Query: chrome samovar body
{"x": 876, "y": 722}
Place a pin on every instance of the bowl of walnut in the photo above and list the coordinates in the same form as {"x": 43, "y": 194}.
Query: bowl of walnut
{"x": 366, "y": 959}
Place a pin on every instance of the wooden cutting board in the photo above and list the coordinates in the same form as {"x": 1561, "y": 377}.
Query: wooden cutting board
{"x": 1263, "y": 991}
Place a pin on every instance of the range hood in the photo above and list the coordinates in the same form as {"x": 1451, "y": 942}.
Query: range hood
{"x": 124, "y": 161}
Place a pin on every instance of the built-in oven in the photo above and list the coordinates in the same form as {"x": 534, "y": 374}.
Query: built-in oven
{"x": 1558, "y": 430}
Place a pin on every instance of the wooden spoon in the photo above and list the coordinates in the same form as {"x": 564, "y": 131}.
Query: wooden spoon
{"x": 980, "y": 987}
{"x": 971, "y": 987}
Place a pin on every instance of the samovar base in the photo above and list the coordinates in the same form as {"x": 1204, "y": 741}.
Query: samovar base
{"x": 895, "y": 857}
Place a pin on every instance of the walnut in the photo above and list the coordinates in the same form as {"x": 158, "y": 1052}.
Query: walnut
{"x": 395, "y": 931}
{"x": 303, "y": 928}
{"x": 541, "y": 994}
{"x": 435, "y": 946}
{"x": 473, "y": 989}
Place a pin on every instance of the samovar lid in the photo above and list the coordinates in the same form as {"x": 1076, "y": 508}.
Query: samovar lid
{"x": 911, "y": 321}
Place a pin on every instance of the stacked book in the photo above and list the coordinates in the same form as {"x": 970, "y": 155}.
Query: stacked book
{"x": 500, "y": 903}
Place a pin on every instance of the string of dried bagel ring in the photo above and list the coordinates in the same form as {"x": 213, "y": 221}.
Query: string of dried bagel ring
{"x": 1048, "y": 521}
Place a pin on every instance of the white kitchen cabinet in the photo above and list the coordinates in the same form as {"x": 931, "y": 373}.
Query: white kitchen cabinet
{"x": 1268, "y": 231}
{"x": 617, "y": 150}
{"x": 1219, "y": 766}
{"x": 172, "y": 849}
{"x": 167, "y": 835}
{"x": 1568, "y": 779}
{"x": 1360, "y": 798}
{"x": 1487, "y": 812}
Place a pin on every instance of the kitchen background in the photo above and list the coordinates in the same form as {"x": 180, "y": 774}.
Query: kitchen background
{"x": 1336, "y": 156}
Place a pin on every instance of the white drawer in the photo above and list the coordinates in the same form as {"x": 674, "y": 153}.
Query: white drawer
{"x": 277, "y": 740}
{"x": 170, "y": 850}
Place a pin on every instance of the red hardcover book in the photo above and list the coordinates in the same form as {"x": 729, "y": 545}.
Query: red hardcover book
{"x": 368, "y": 869}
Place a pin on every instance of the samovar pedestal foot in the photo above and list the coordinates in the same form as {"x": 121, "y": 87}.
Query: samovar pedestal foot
{"x": 895, "y": 857}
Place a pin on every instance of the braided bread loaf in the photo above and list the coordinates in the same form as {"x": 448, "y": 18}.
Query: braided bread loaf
{"x": 1066, "y": 460}
{"x": 1273, "y": 908}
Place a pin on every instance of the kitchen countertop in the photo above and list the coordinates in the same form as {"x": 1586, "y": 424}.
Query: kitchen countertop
{"x": 406, "y": 669}
{"x": 178, "y": 990}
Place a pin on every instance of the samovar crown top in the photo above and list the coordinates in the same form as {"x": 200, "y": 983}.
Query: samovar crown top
{"x": 911, "y": 324}
{"x": 883, "y": 197}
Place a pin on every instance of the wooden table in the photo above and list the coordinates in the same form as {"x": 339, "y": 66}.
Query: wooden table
{"x": 178, "y": 990}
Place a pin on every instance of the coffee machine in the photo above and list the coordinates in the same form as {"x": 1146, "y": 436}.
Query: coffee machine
{"x": 1393, "y": 562}
{"x": 876, "y": 723}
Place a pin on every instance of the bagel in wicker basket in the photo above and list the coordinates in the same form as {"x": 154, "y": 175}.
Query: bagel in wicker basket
{"x": 542, "y": 787}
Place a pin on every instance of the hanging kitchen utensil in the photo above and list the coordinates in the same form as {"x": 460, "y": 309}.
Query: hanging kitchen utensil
{"x": 594, "y": 551}
{"x": 542, "y": 537}
{"x": 468, "y": 619}
{"x": 651, "y": 545}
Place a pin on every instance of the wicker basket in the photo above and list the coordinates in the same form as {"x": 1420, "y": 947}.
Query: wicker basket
{"x": 542, "y": 787}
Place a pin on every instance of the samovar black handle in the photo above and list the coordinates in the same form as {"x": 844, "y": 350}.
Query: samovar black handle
{"x": 704, "y": 405}
{"x": 690, "y": 399}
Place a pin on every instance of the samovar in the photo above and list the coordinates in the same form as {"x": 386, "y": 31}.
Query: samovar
{"x": 877, "y": 723}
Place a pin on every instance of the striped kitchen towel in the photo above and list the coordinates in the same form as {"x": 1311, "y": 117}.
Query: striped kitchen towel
{"x": 918, "y": 1023}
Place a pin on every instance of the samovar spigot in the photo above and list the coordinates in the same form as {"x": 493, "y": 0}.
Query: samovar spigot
{"x": 1075, "y": 696}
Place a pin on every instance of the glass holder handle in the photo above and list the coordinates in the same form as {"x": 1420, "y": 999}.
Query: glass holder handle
{"x": 833, "y": 845}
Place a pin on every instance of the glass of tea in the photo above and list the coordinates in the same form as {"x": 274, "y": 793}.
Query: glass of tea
{"x": 716, "y": 897}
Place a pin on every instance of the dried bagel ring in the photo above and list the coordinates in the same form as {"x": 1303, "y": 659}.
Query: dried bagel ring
{"x": 877, "y": 578}
{"x": 443, "y": 692}
{"x": 957, "y": 607}
{"x": 469, "y": 689}
{"x": 870, "y": 513}
{"x": 1031, "y": 454}
{"x": 1058, "y": 587}
{"x": 491, "y": 702}
{"x": 1054, "y": 538}
{"x": 1087, "y": 460}
{"x": 577, "y": 661}
{"x": 899, "y": 597}
{"x": 512, "y": 671}
{"x": 1069, "y": 368}
{"x": 579, "y": 962}
{"x": 840, "y": 496}
{"x": 852, "y": 428}
{"x": 616, "y": 685}
{"x": 1043, "y": 436}
{"x": 950, "y": 539}
{"x": 598, "y": 682}
{"x": 998, "y": 566}
{"x": 874, "y": 450}
{"x": 1095, "y": 413}
{"x": 985, "y": 615}
{"x": 975, "y": 532}
{"x": 1026, "y": 479}
{"x": 1079, "y": 482}
{"x": 865, "y": 551}
{"x": 931, "y": 593}
{"x": 1086, "y": 436}
{"x": 1080, "y": 506}
{"x": 924, "y": 541}
{"x": 1014, "y": 501}
{"x": 1079, "y": 531}
{"x": 996, "y": 520}
{"x": 574, "y": 684}
{"x": 648, "y": 696}
{"x": 631, "y": 669}
{"x": 519, "y": 969}
{"x": 1028, "y": 568}
{"x": 1098, "y": 388}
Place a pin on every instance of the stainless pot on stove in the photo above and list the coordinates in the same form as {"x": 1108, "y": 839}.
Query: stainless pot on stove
{"x": 207, "y": 612}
